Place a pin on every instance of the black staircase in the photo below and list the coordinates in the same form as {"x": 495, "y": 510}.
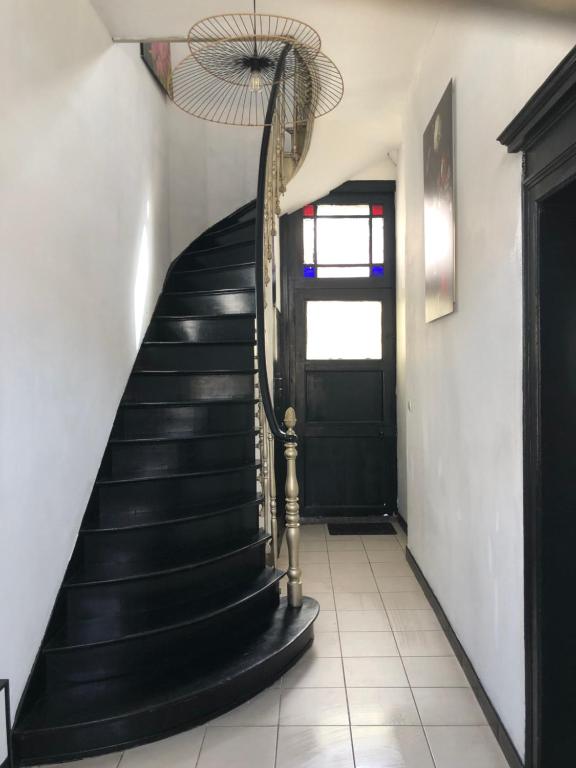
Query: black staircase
{"x": 168, "y": 614}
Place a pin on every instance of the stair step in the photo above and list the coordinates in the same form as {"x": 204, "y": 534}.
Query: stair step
{"x": 190, "y": 419}
{"x": 96, "y": 718}
{"x": 126, "y": 588}
{"x": 207, "y": 329}
{"x": 235, "y": 233}
{"x": 185, "y": 303}
{"x": 153, "y": 495}
{"x": 97, "y": 650}
{"x": 185, "y": 386}
{"x": 202, "y": 278}
{"x": 186, "y": 355}
{"x": 216, "y": 256}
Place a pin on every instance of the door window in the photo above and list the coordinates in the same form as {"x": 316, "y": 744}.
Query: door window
{"x": 343, "y": 330}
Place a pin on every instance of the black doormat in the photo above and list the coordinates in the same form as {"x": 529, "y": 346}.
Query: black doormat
{"x": 364, "y": 529}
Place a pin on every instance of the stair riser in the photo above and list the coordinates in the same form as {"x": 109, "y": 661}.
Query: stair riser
{"x": 163, "y": 546}
{"x": 126, "y": 501}
{"x": 153, "y": 723}
{"x": 221, "y": 257}
{"x": 147, "y": 459}
{"x": 170, "y": 388}
{"x": 233, "y": 277}
{"x": 238, "y": 234}
{"x": 206, "y": 304}
{"x": 138, "y": 655}
{"x": 202, "y": 330}
{"x": 162, "y": 357}
{"x": 155, "y": 592}
{"x": 166, "y": 421}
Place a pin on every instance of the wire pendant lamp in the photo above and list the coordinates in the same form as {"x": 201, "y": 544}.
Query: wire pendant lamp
{"x": 233, "y": 64}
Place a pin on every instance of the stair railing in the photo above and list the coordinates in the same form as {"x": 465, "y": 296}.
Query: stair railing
{"x": 277, "y": 165}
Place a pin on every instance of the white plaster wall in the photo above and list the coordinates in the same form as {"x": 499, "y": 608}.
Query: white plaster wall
{"x": 84, "y": 246}
{"x": 461, "y": 450}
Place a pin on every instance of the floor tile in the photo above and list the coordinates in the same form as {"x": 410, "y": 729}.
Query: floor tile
{"x": 314, "y": 571}
{"x": 472, "y": 746}
{"x": 358, "y": 644}
{"x": 435, "y": 672}
{"x": 405, "y": 600}
{"x": 373, "y": 543}
{"x": 409, "y": 621}
{"x": 382, "y": 706}
{"x": 313, "y": 672}
{"x": 238, "y": 747}
{"x": 363, "y": 621}
{"x": 344, "y": 537}
{"x": 379, "y": 538}
{"x": 355, "y": 556}
{"x": 386, "y": 672}
{"x": 423, "y": 643}
{"x": 321, "y": 746}
{"x": 326, "y": 622}
{"x": 358, "y": 601}
{"x": 312, "y": 532}
{"x": 326, "y": 645}
{"x": 320, "y": 556}
{"x": 261, "y": 710}
{"x": 396, "y": 583}
{"x": 314, "y": 706}
{"x": 448, "y": 706}
{"x": 353, "y": 577}
{"x": 387, "y": 555}
{"x": 313, "y": 545}
{"x": 324, "y": 599}
{"x": 392, "y": 747}
{"x": 344, "y": 546}
{"x": 392, "y": 569}
{"x": 106, "y": 761}
{"x": 315, "y": 584}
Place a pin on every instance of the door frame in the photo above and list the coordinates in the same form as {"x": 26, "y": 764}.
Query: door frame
{"x": 545, "y": 132}
{"x": 291, "y": 260}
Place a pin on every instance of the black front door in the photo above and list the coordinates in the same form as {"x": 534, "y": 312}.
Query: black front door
{"x": 343, "y": 327}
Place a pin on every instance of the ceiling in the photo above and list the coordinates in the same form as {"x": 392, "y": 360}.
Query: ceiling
{"x": 376, "y": 44}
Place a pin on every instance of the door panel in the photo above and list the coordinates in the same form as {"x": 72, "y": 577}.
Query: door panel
{"x": 343, "y": 395}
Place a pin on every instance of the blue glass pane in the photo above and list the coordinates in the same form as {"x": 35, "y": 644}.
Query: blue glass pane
{"x": 377, "y": 270}
{"x": 309, "y": 271}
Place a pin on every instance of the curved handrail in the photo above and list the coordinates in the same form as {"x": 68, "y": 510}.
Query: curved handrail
{"x": 275, "y": 427}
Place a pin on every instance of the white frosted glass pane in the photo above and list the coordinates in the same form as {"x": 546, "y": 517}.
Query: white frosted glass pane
{"x": 343, "y": 210}
{"x": 342, "y": 241}
{"x": 377, "y": 241}
{"x": 343, "y": 330}
{"x": 343, "y": 271}
{"x": 308, "y": 241}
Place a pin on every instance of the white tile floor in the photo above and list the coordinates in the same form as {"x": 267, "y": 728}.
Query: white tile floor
{"x": 379, "y": 689}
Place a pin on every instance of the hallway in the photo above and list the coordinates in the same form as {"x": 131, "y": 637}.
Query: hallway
{"x": 379, "y": 689}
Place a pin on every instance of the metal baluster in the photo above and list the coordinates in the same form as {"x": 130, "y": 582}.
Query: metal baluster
{"x": 272, "y": 496}
{"x": 292, "y": 514}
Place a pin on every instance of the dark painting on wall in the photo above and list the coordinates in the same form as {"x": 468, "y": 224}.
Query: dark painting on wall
{"x": 158, "y": 59}
{"x": 439, "y": 215}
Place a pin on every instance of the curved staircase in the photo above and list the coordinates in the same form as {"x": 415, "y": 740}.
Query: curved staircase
{"x": 168, "y": 614}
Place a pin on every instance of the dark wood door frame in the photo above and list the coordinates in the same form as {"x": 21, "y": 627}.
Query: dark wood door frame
{"x": 545, "y": 132}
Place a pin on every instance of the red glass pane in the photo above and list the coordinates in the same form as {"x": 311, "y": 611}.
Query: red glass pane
{"x": 309, "y": 211}
{"x": 377, "y": 210}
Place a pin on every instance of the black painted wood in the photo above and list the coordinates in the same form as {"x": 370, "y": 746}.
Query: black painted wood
{"x": 545, "y": 131}
{"x": 168, "y": 613}
{"x": 488, "y": 708}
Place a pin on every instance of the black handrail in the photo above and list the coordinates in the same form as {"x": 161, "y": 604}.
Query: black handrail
{"x": 275, "y": 427}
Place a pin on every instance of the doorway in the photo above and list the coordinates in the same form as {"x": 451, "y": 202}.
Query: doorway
{"x": 338, "y": 257}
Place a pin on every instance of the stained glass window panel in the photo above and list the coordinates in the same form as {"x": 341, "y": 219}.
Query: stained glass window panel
{"x": 308, "y": 241}
{"x": 343, "y": 210}
{"x": 342, "y": 241}
{"x": 377, "y": 210}
{"x": 378, "y": 241}
{"x": 309, "y": 211}
{"x": 343, "y": 330}
{"x": 343, "y": 272}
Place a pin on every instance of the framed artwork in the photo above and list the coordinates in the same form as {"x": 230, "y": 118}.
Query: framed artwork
{"x": 158, "y": 59}
{"x": 439, "y": 210}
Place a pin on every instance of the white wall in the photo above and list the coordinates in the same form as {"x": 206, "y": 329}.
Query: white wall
{"x": 461, "y": 468}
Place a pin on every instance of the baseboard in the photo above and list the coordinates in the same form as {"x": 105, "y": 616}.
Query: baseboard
{"x": 500, "y": 732}
{"x": 402, "y": 523}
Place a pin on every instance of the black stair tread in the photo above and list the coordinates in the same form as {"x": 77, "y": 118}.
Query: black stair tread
{"x": 209, "y": 372}
{"x": 207, "y": 316}
{"x": 154, "y": 622}
{"x": 219, "y": 268}
{"x": 232, "y": 343}
{"x": 191, "y": 403}
{"x": 209, "y": 292}
{"x": 173, "y": 475}
{"x": 127, "y": 696}
{"x": 141, "y": 519}
{"x": 124, "y": 571}
{"x": 178, "y": 438}
{"x": 215, "y": 248}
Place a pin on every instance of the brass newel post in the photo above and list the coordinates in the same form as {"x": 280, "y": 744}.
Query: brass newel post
{"x": 292, "y": 515}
